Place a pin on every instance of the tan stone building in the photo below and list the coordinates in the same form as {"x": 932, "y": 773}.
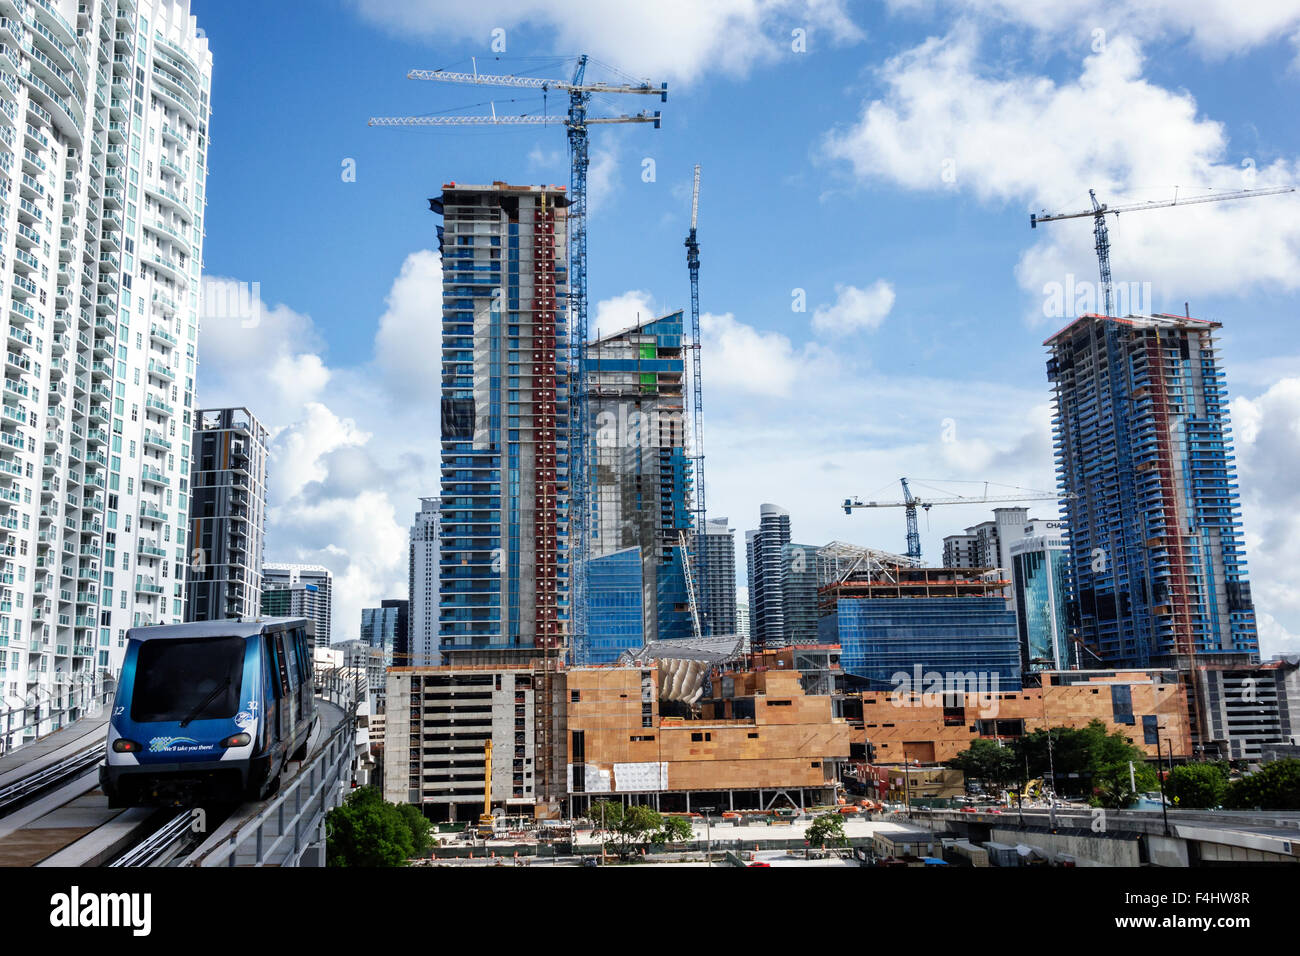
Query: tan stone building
{"x": 1146, "y": 706}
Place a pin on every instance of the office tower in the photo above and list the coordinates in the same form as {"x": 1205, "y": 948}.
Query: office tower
{"x": 742, "y": 613}
{"x": 1039, "y": 572}
{"x": 505, "y": 421}
{"x": 421, "y": 645}
{"x": 227, "y": 515}
{"x": 899, "y": 620}
{"x": 298, "y": 577}
{"x": 763, "y": 563}
{"x": 1143, "y": 443}
{"x": 103, "y": 152}
{"x": 616, "y": 598}
{"x": 379, "y": 628}
{"x": 640, "y": 482}
{"x": 799, "y": 580}
{"x": 718, "y": 562}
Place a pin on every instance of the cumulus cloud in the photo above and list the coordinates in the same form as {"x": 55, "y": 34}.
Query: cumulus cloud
{"x": 1216, "y": 27}
{"x": 854, "y": 309}
{"x": 1267, "y": 432}
{"x": 354, "y": 445}
{"x": 621, "y": 312}
{"x": 948, "y": 121}
{"x": 408, "y": 345}
{"x": 740, "y": 358}
{"x": 672, "y": 40}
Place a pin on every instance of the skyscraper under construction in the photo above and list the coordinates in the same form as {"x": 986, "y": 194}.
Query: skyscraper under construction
{"x": 1143, "y": 444}
{"x": 505, "y": 419}
{"x": 641, "y": 480}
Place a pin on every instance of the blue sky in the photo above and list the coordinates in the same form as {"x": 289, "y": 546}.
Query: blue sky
{"x": 887, "y": 171}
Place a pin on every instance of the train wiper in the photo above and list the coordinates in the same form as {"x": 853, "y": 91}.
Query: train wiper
{"x": 206, "y": 700}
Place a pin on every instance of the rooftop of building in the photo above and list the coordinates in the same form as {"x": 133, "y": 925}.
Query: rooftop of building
{"x": 1159, "y": 320}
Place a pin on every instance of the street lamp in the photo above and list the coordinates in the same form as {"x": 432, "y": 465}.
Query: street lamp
{"x": 1164, "y": 801}
{"x": 708, "y": 834}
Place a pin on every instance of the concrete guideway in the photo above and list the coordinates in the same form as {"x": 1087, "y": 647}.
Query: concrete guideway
{"x": 52, "y": 748}
{"x": 288, "y": 828}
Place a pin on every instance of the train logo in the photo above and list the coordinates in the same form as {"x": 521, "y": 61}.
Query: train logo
{"x": 162, "y": 744}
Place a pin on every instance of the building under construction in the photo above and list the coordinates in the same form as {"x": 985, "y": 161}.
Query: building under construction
{"x": 890, "y": 617}
{"x": 640, "y": 486}
{"x": 1144, "y": 452}
{"x": 678, "y": 725}
{"x": 505, "y": 420}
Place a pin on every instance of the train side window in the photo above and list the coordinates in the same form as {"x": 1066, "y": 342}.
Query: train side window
{"x": 281, "y": 665}
{"x": 300, "y": 651}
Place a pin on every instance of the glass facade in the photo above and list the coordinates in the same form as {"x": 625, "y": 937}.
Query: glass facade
{"x": 882, "y": 636}
{"x": 1039, "y": 572}
{"x": 614, "y": 621}
{"x": 799, "y": 575}
{"x": 379, "y": 628}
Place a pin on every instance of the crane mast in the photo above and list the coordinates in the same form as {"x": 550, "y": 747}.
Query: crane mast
{"x": 697, "y": 395}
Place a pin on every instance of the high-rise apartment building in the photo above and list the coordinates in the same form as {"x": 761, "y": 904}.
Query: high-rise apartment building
{"x": 421, "y": 647}
{"x": 640, "y": 479}
{"x": 742, "y": 613}
{"x": 800, "y": 572}
{"x": 303, "y": 599}
{"x": 505, "y": 422}
{"x": 1143, "y": 443}
{"x": 103, "y": 160}
{"x": 717, "y": 546}
{"x": 227, "y": 515}
{"x": 763, "y": 563}
{"x": 296, "y": 577}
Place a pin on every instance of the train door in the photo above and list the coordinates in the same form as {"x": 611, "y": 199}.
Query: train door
{"x": 285, "y": 670}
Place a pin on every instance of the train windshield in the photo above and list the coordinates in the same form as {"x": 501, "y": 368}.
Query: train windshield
{"x": 188, "y": 679}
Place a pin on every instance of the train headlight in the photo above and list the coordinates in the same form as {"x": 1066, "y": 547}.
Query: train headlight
{"x": 237, "y": 740}
{"x": 123, "y": 746}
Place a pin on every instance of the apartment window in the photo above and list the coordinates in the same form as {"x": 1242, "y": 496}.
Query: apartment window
{"x": 699, "y": 737}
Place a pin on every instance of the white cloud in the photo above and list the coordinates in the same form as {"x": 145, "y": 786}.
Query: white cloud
{"x": 1267, "y": 433}
{"x": 739, "y": 358}
{"x": 1216, "y": 27}
{"x": 946, "y": 122}
{"x": 408, "y": 345}
{"x": 602, "y": 177}
{"x": 854, "y": 309}
{"x": 671, "y": 40}
{"x": 352, "y": 446}
{"x": 622, "y": 312}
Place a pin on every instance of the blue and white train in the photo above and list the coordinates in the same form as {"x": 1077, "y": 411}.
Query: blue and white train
{"x": 209, "y": 712}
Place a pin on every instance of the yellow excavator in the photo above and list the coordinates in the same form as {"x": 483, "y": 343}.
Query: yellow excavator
{"x": 486, "y": 821}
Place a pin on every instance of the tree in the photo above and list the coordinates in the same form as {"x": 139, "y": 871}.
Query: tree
{"x": 367, "y": 831}
{"x": 827, "y": 829}
{"x": 421, "y": 838}
{"x": 675, "y": 830}
{"x": 1276, "y": 786}
{"x": 1199, "y": 786}
{"x": 631, "y": 826}
{"x": 987, "y": 761}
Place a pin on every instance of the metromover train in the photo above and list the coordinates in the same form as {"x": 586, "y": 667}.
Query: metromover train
{"x": 209, "y": 712}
